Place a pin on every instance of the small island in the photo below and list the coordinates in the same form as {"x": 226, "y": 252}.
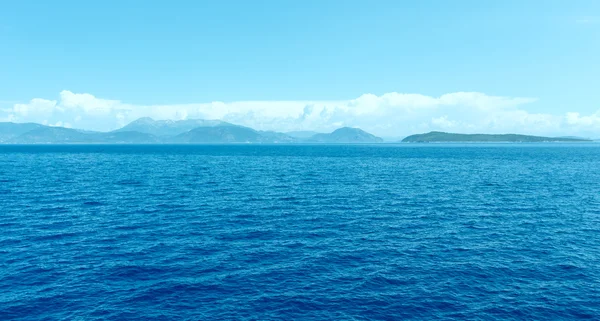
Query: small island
{"x": 443, "y": 137}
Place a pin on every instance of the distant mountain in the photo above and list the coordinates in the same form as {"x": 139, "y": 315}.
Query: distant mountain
{"x": 220, "y": 134}
{"x": 54, "y": 135}
{"x": 230, "y": 134}
{"x": 277, "y": 137}
{"x": 345, "y": 135}
{"x": 129, "y": 137}
{"x": 451, "y": 137}
{"x": 301, "y": 134}
{"x": 168, "y": 127}
{"x": 9, "y": 131}
{"x": 60, "y": 135}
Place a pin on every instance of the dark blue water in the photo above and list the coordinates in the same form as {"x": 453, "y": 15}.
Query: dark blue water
{"x": 252, "y": 232}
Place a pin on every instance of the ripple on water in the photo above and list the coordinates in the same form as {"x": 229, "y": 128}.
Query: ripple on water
{"x": 300, "y": 232}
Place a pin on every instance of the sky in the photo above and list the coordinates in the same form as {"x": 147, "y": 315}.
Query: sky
{"x": 392, "y": 68}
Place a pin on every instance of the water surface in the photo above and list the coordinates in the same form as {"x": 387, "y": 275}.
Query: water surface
{"x": 272, "y": 232}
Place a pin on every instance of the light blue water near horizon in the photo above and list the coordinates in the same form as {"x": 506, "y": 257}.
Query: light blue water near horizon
{"x": 300, "y": 232}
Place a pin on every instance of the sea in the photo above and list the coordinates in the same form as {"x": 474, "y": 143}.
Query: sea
{"x": 300, "y": 232}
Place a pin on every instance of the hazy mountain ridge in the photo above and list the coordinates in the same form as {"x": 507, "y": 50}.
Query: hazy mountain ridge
{"x": 440, "y": 137}
{"x": 48, "y": 134}
{"x": 9, "y": 131}
{"x": 220, "y": 134}
{"x": 61, "y": 135}
{"x": 149, "y": 131}
{"x": 346, "y": 135}
{"x": 302, "y": 134}
{"x": 150, "y": 126}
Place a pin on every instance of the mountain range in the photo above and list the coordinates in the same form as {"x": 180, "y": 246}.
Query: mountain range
{"x": 199, "y": 131}
{"x": 193, "y": 131}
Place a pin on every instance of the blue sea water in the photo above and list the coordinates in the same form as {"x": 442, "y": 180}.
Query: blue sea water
{"x": 275, "y": 232}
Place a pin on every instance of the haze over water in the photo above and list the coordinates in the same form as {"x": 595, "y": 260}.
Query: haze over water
{"x": 272, "y": 232}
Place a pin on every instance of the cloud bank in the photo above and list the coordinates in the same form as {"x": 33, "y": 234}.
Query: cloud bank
{"x": 392, "y": 114}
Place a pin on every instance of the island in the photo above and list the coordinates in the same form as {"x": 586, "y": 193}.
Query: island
{"x": 443, "y": 137}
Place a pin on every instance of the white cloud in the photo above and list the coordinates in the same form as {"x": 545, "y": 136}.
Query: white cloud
{"x": 391, "y": 114}
{"x": 444, "y": 123}
{"x": 35, "y": 108}
{"x": 590, "y": 122}
{"x": 88, "y": 103}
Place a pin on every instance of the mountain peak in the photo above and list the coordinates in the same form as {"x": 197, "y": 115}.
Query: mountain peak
{"x": 143, "y": 120}
{"x": 348, "y": 130}
{"x": 347, "y": 135}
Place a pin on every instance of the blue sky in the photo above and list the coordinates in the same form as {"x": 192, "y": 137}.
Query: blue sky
{"x": 182, "y": 59}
